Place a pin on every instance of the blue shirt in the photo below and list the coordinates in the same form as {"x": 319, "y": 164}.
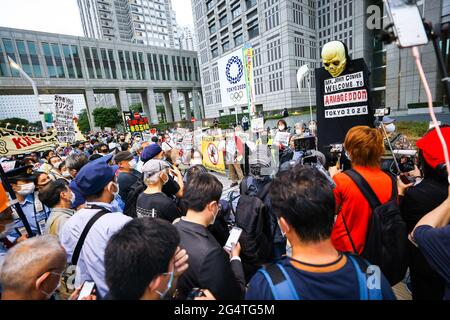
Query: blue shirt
{"x": 434, "y": 243}
{"x": 35, "y": 218}
{"x": 90, "y": 266}
{"x": 337, "y": 281}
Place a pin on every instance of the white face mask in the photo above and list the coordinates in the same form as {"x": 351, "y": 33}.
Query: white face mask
{"x": 390, "y": 128}
{"x": 132, "y": 163}
{"x": 281, "y": 128}
{"x": 115, "y": 193}
{"x": 57, "y": 164}
{"x": 215, "y": 216}
{"x": 8, "y": 228}
{"x": 298, "y": 131}
{"x": 26, "y": 189}
{"x": 66, "y": 174}
{"x": 49, "y": 295}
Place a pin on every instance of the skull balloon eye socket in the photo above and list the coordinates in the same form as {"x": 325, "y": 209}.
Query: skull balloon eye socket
{"x": 336, "y": 63}
{"x": 326, "y": 64}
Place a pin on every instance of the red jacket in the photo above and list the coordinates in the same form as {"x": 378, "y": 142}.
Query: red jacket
{"x": 355, "y": 208}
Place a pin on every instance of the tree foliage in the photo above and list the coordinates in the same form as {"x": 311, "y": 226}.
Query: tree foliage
{"x": 136, "y": 107}
{"x": 83, "y": 121}
{"x": 106, "y": 117}
{"x": 13, "y": 122}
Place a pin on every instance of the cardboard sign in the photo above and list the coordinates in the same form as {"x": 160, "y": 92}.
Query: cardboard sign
{"x": 342, "y": 102}
{"x": 14, "y": 142}
{"x": 282, "y": 138}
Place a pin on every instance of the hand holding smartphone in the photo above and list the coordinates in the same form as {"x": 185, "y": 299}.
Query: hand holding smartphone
{"x": 86, "y": 290}
{"x": 233, "y": 238}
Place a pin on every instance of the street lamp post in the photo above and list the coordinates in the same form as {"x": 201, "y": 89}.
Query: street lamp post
{"x": 14, "y": 65}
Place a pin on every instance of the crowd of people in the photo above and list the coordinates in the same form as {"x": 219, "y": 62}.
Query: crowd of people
{"x": 122, "y": 212}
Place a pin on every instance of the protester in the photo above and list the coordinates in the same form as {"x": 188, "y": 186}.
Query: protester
{"x": 127, "y": 174}
{"x": 364, "y": 147}
{"x": 153, "y": 202}
{"x": 139, "y": 150}
{"x": 210, "y": 266}
{"x": 173, "y": 157}
{"x": 22, "y": 182}
{"x": 97, "y": 183}
{"x": 57, "y": 196}
{"x": 32, "y": 269}
{"x": 45, "y": 161}
{"x": 234, "y": 152}
{"x": 79, "y": 149}
{"x": 74, "y": 164}
{"x": 420, "y": 199}
{"x": 167, "y": 143}
{"x": 305, "y": 206}
{"x": 432, "y": 236}
{"x": 143, "y": 260}
{"x": 41, "y": 180}
{"x": 55, "y": 171}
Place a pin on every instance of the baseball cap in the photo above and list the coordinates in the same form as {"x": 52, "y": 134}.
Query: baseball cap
{"x": 388, "y": 120}
{"x": 95, "y": 175}
{"x": 431, "y": 148}
{"x": 154, "y": 166}
{"x": 150, "y": 152}
{"x": 122, "y": 156}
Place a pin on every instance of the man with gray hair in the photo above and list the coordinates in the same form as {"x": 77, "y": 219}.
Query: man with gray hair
{"x": 32, "y": 269}
{"x": 153, "y": 202}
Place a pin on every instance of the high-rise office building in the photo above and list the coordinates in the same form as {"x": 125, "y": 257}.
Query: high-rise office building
{"x": 185, "y": 38}
{"x": 150, "y": 22}
{"x": 286, "y": 34}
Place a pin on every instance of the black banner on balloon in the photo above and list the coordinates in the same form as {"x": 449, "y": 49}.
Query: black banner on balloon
{"x": 342, "y": 102}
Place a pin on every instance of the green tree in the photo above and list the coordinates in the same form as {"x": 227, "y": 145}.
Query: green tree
{"x": 106, "y": 117}
{"x": 136, "y": 107}
{"x": 83, "y": 121}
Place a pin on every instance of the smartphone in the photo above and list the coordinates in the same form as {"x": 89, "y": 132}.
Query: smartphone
{"x": 405, "y": 179}
{"x": 408, "y": 23}
{"x": 235, "y": 233}
{"x": 86, "y": 290}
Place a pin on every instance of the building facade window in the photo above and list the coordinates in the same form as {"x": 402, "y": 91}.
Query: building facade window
{"x": 34, "y": 59}
{"x": 9, "y": 50}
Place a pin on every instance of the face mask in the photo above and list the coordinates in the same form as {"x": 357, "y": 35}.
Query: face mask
{"x": 117, "y": 189}
{"x": 132, "y": 163}
{"x": 298, "y": 131}
{"x": 66, "y": 174}
{"x": 49, "y": 295}
{"x": 281, "y": 128}
{"x": 72, "y": 198}
{"x": 8, "y": 228}
{"x": 169, "y": 285}
{"x": 56, "y": 165}
{"x": 390, "y": 128}
{"x": 26, "y": 189}
{"x": 215, "y": 216}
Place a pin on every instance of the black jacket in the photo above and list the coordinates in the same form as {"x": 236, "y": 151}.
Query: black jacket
{"x": 209, "y": 265}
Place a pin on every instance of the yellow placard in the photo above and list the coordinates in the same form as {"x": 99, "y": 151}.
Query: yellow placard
{"x": 212, "y": 156}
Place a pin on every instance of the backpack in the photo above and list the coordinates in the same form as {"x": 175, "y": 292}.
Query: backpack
{"x": 130, "y": 203}
{"x": 283, "y": 289}
{"x": 387, "y": 236}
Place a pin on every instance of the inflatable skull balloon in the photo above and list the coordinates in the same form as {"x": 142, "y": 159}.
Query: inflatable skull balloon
{"x": 334, "y": 58}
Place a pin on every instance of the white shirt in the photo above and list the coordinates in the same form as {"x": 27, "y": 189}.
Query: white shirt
{"x": 90, "y": 265}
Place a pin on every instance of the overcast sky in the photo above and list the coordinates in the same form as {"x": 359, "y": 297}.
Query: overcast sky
{"x": 62, "y": 16}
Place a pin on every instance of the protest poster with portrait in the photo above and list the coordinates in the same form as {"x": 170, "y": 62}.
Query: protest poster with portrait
{"x": 64, "y": 124}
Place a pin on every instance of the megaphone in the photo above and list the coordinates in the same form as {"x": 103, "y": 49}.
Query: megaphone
{"x": 302, "y": 72}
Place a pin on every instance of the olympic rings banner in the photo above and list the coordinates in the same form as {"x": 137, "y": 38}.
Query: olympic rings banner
{"x": 212, "y": 156}
{"x": 236, "y": 78}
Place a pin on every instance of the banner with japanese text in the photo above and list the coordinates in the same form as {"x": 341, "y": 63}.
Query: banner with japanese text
{"x": 64, "y": 124}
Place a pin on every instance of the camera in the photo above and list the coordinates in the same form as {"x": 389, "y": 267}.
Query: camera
{"x": 305, "y": 144}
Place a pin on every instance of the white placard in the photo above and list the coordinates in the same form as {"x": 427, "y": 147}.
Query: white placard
{"x": 346, "y": 112}
{"x": 64, "y": 119}
{"x": 232, "y": 79}
{"x": 258, "y": 125}
{"x": 345, "y": 98}
{"x": 349, "y": 81}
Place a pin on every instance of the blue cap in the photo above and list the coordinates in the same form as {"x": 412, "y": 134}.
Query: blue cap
{"x": 387, "y": 120}
{"x": 150, "y": 152}
{"x": 95, "y": 175}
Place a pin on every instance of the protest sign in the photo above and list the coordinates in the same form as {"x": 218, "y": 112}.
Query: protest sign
{"x": 135, "y": 123}
{"x": 8, "y": 165}
{"x": 64, "y": 124}
{"x": 342, "y": 102}
{"x": 212, "y": 157}
{"x": 258, "y": 125}
{"x": 282, "y": 138}
{"x": 14, "y": 142}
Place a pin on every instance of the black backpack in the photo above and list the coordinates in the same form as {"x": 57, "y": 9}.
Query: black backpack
{"x": 252, "y": 217}
{"x": 387, "y": 236}
{"x": 130, "y": 202}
